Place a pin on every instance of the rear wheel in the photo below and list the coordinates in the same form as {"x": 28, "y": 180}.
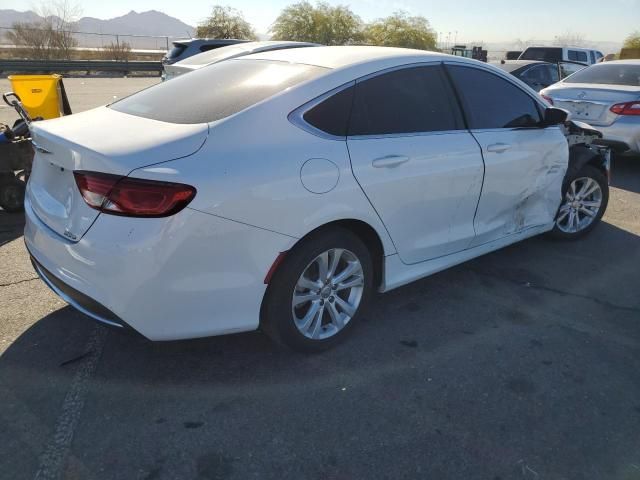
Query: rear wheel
{"x": 583, "y": 205}
{"x": 12, "y": 194}
{"x": 319, "y": 291}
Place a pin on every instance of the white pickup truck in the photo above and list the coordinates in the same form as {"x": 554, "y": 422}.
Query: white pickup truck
{"x": 562, "y": 54}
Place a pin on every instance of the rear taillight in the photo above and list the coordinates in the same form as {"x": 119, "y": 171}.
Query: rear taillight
{"x": 629, "y": 108}
{"x": 132, "y": 197}
{"x": 547, "y": 98}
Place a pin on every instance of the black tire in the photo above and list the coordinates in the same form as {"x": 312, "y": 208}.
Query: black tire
{"x": 588, "y": 171}
{"x": 12, "y": 195}
{"x": 277, "y": 317}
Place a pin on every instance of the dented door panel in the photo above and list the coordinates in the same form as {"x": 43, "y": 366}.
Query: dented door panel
{"x": 524, "y": 170}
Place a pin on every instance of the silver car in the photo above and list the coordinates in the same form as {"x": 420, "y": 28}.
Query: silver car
{"x": 607, "y": 96}
{"x": 227, "y": 53}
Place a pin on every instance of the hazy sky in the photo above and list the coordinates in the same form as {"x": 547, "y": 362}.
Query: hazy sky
{"x": 474, "y": 20}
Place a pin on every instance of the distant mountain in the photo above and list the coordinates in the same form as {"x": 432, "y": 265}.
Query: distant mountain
{"x": 152, "y": 23}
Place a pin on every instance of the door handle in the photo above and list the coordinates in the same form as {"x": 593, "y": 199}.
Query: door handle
{"x": 498, "y": 147}
{"x": 390, "y": 161}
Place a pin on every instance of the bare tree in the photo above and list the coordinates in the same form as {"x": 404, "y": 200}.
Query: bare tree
{"x": 570, "y": 39}
{"x": 50, "y": 37}
{"x": 117, "y": 51}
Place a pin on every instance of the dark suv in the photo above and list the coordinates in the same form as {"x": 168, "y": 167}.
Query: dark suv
{"x": 186, "y": 48}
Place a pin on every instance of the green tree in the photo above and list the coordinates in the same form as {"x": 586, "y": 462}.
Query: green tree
{"x": 322, "y": 23}
{"x": 401, "y": 30}
{"x": 633, "y": 40}
{"x": 225, "y": 22}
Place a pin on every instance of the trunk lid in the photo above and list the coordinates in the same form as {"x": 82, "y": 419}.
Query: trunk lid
{"x": 100, "y": 140}
{"x": 591, "y": 104}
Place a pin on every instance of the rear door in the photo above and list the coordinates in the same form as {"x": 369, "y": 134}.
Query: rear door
{"x": 418, "y": 165}
{"x": 524, "y": 164}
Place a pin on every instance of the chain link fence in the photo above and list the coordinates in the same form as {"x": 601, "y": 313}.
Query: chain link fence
{"x": 26, "y": 42}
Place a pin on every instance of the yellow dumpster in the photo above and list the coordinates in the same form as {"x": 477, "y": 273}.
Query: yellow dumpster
{"x": 42, "y": 95}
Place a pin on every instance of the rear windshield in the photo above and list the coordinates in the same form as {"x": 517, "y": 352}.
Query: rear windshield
{"x": 545, "y": 54}
{"x": 214, "y": 55}
{"x": 177, "y": 49}
{"x": 216, "y": 91}
{"x": 608, "y": 74}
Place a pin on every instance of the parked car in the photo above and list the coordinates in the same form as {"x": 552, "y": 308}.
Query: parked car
{"x": 607, "y": 96}
{"x": 559, "y": 54}
{"x": 279, "y": 190}
{"x": 537, "y": 74}
{"x": 227, "y": 53}
{"x": 513, "y": 55}
{"x": 182, "y": 49}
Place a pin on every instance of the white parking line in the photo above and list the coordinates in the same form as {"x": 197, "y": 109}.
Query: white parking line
{"x": 53, "y": 460}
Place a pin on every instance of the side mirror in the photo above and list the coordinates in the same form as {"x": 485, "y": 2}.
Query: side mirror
{"x": 554, "y": 116}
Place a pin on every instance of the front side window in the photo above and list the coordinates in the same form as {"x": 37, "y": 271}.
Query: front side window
{"x": 492, "y": 102}
{"x": 538, "y": 75}
{"x": 578, "y": 56}
{"x": 410, "y": 100}
{"x": 216, "y": 91}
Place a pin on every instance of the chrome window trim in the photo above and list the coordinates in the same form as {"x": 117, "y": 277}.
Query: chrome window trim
{"x": 408, "y": 134}
{"x": 296, "y": 117}
{"x": 505, "y": 76}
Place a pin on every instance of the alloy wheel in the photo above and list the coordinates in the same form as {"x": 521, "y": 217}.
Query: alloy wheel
{"x": 581, "y": 205}
{"x": 327, "y": 294}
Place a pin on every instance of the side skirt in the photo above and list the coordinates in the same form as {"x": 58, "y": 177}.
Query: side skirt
{"x": 398, "y": 274}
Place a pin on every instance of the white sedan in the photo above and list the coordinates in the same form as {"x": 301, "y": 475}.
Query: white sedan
{"x": 279, "y": 190}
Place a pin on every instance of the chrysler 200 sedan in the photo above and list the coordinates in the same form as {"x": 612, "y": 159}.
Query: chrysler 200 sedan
{"x": 279, "y": 190}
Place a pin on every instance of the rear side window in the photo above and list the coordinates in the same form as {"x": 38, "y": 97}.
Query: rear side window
{"x": 546, "y": 54}
{"x": 410, "y": 100}
{"x": 206, "y": 48}
{"x": 332, "y": 115}
{"x": 578, "y": 56}
{"x": 215, "y": 91}
{"x": 490, "y": 101}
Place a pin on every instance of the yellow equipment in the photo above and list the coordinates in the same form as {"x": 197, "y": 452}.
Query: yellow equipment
{"x": 43, "y": 96}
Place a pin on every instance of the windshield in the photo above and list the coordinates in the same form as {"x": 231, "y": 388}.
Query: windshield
{"x": 545, "y": 54}
{"x": 608, "y": 74}
{"x": 216, "y": 55}
{"x": 216, "y": 91}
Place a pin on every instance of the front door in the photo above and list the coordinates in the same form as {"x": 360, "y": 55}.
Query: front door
{"x": 524, "y": 163}
{"x": 420, "y": 168}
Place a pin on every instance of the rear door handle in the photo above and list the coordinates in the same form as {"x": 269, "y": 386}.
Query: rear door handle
{"x": 498, "y": 147}
{"x": 390, "y": 161}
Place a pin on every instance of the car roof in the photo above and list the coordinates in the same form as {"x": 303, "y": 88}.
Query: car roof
{"x": 209, "y": 41}
{"x": 344, "y": 56}
{"x": 513, "y": 65}
{"x": 240, "y": 49}
{"x": 629, "y": 61}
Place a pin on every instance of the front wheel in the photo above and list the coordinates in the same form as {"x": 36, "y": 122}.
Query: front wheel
{"x": 319, "y": 291}
{"x": 583, "y": 205}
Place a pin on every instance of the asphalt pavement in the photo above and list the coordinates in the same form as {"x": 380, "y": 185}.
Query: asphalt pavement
{"x": 522, "y": 364}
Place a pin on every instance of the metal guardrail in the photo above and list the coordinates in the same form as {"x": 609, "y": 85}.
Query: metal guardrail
{"x": 62, "y": 66}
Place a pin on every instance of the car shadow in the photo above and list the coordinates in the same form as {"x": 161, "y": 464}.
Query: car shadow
{"x": 625, "y": 173}
{"x": 11, "y": 226}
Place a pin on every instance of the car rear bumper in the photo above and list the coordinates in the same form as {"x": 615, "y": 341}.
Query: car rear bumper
{"x": 624, "y": 129}
{"x": 186, "y": 276}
